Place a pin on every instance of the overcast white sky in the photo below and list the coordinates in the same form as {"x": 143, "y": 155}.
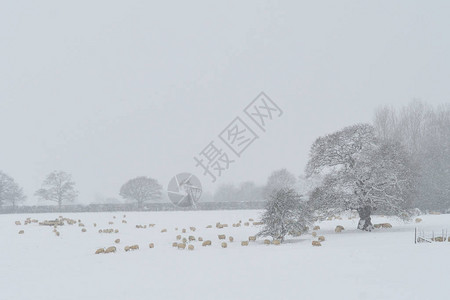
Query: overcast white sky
{"x": 109, "y": 90}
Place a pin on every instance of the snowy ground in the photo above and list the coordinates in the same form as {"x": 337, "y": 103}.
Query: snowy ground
{"x": 385, "y": 264}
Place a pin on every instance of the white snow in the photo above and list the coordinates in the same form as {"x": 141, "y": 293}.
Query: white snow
{"x": 384, "y": 264}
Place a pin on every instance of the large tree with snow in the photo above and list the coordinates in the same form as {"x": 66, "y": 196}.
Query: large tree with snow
{"x": 141, "y": 189}
{"x": 285, "y": 213}
{"x": 10, "y": 192}
{"x": 362, "y": 173}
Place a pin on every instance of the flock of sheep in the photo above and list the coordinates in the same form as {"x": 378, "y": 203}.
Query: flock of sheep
{"x": 185, "y": 240}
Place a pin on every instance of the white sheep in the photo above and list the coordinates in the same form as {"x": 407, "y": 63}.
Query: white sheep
{"x": 339, "y": 228}
{"x": 111, "y": 249}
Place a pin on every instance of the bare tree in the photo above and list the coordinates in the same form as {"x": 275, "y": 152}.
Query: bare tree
{"x": 285, "y": 213}
{"x": 249, "y": 192}
{"x": 434, "y": 161}
{"x": 424, "y": 131}
{"x": 58, "y": 187}
{"x": 246, "y": 192}
{"x": 10, "y": 192}
{"x": 280, "y": 179}
{"x": 141, "y": 189}
{"x": 226, "y": 193}
{"x": 360, "y": 174}
{"x": 386, "y": 123}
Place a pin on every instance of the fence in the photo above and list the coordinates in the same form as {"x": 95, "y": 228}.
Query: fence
{"x": 421, "y": 236}
{"x": 131, "y": 207}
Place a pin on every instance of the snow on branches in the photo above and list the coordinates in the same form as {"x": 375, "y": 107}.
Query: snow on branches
{"x": 361, "y": 173}
{"x": 10, "y": 192}
{"x": 285, "y": 214}
{"x": 141, "y": 189}
{"x": 58, "y": 187}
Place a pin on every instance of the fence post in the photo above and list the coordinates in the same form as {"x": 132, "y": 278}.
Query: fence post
{"x": 415, "y": 235}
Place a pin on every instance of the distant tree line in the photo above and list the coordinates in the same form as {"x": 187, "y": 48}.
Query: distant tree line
{"x": 59, "y": 187}
{"x": 399, "y": 162}
{"x": 424, "y": 132}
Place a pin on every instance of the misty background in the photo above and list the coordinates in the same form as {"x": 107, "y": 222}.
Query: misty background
{"x": 125, "y": 89}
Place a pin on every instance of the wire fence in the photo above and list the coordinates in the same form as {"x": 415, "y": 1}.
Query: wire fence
{"x": 422, "y": 236}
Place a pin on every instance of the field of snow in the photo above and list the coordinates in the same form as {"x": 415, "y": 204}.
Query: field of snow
{"x": 383, "y": 264}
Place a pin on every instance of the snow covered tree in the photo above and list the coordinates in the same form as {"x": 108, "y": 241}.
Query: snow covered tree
{"x": 141, "y": 189}
{"x": 361, "y": 173}
{"x": 285, "y": 213}
{"x": 280, "y": 179}
{"x": 58, "y": 187}
{"x": 10, "y": 192}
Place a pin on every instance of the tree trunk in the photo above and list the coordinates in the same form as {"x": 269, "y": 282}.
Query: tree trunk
{"x": 365, "y": 222}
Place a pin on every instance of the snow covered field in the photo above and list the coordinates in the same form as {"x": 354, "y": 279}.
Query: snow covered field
{"x": 384, "y": 264}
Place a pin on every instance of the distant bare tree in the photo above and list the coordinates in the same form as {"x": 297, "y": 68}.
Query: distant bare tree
{"x": 278, "y": 180}
{"x": 386, "y": 123}
{"x": 226, "y": 193}
{"x": 424, "y": 131}
{"x": 141, "y": 189}
{"x": 249, "y": 192}
{"x": 10, "y": 192}
{"x": 58, "y": 187}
